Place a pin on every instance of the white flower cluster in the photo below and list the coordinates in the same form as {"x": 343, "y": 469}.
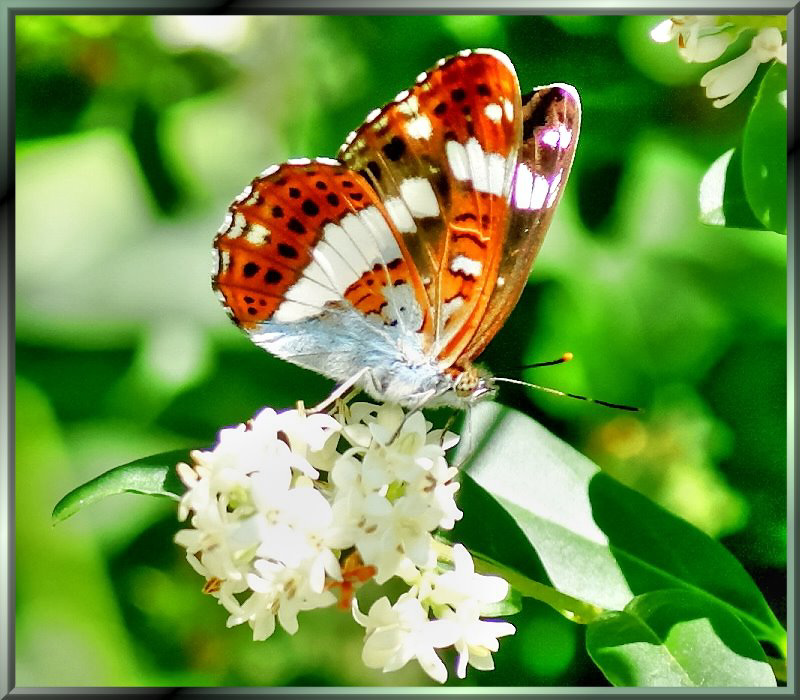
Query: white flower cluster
{"x": 702, "y": 38}
{"x": 291, "y": 506}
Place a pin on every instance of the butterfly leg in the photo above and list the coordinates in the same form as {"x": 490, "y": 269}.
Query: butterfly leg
{"x": 340, "y": 391}
{"x": 448, "y": 424}
{"x": 342, "y": 404}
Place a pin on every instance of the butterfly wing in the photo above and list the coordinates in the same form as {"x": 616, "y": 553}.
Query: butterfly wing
{"x": 441, "y": 157}
{"x": 308, "y": 264}
{"x": 550, "y": 125}
{"x": 406, "y": 257}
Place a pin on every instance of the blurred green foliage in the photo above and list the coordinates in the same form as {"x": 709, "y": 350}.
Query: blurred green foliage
{"x": 133, "y": 136}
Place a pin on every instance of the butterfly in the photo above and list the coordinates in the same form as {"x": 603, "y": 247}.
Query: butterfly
{"x": 391, "y": 268}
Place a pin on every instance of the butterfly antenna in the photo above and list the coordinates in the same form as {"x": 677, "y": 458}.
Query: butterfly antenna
{"x": 566, "y": 357}
{"x": 620, "y": 406}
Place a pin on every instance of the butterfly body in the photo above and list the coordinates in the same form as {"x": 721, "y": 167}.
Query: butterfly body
{"x": 392, "y": 267}
{"x": 395, "y": 368}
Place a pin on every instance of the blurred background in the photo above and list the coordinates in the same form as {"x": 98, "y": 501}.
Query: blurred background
{"x": 133, "y": 136}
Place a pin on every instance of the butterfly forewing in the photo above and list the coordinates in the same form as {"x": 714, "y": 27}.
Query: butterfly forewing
{"x": 550, "y": 126}
{"x": 441, "y": 157}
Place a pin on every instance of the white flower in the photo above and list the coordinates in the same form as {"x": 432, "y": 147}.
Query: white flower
{"x": 277, "y": 592}
{"x": 258, "y": 524}
{"x": 275, "y": 505}
{"x": 386, "y": 531}
{"x": 346, "y": 475}
{"x": 455, "y": 599}
{"x": 397, "y": 633}
{"x": 223, "y": 589}
{"x": 393, "y": 487}
{"x": 296, "y": 531}
{"x": 399, "y": 449}
{"x": 225, "y": 545}
{"x": 307, "y": 434}
{"x": 768, "y": 44}
{"x": 706, "y": 47}
{"x": 437, "y": 489}
{"x": 459, "y": 597}
{"x": 684, "y": 27}
{"x": 729, "y": 80}
{"x": 477, "y": 638}
{"x": 700, "y": 38}
{"x": 463, "y": 584}
{"x": 354, "y": 419}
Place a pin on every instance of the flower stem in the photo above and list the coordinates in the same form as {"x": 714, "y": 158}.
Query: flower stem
{"x": 573, "y": 609}
{"x": 754, "y": 21}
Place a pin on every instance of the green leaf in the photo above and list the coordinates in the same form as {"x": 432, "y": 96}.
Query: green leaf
{"x": 722, "y": 198}
{"x": 152, "y": 476}
{"x": 677, "y": 638}
{"x": 764, "y": 148}
{"x": 568, "y": 525}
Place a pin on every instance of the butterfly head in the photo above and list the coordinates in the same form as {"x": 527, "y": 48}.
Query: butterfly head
{"x": 473, "y": 384}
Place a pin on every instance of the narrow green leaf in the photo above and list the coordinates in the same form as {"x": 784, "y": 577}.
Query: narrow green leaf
{"x": 677, "y": 638}
{"x": 152, "y": 476}
{"x": 764, "y": 151}
{"x": 568, "y": 525}
{"x": 722, "y": 198}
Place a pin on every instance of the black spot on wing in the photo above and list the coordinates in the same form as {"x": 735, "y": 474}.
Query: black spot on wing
{"x": 287, "y": 251}
{"x": 273, "y": 276}
{"x": 394, "y": 149}
{"x": 310, "y": 208}
{"x": 537, "y": 116}
{"x": 296, "y": 226}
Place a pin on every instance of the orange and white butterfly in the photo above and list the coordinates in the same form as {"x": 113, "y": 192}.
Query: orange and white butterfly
{"x": 393, "y": 267}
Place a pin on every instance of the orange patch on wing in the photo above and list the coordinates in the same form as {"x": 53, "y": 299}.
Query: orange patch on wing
{"x": 472, "y": 239}
{"x": 457, "y": 95}
{"x": 369, "y": 293}
{"x": 272, "y": 231}
{"x": 366, "y": 293}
